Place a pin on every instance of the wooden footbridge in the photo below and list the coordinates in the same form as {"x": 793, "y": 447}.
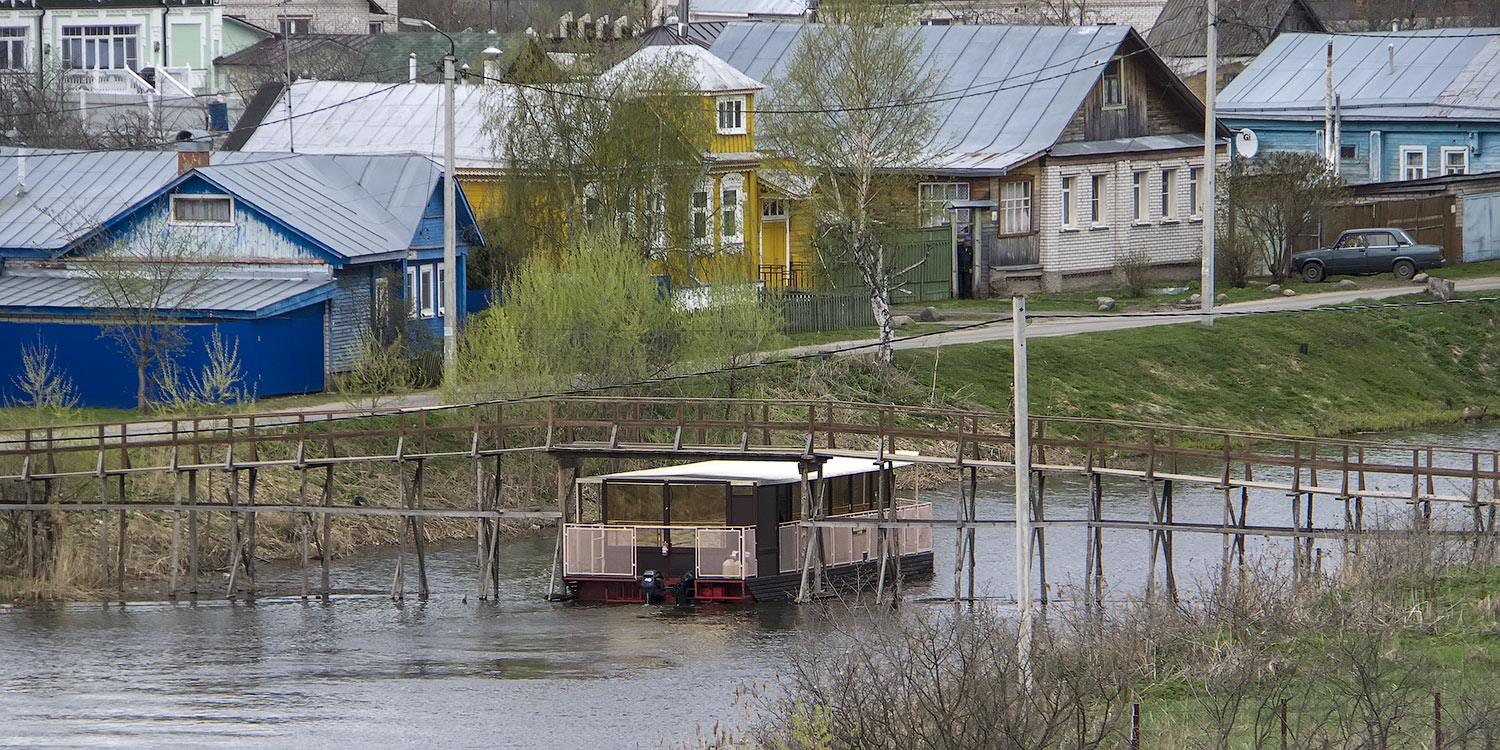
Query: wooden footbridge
{"x": 156, "y": 473}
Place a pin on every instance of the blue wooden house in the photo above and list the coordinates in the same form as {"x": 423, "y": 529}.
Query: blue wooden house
{"x": 1412, "y": 104}
{"x": 299, "y": 256}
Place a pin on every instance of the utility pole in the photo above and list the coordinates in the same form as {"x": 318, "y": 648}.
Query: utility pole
{"x": 450, "y": 225}
{"x": 1210, "y": 195}
{"x": 1022, "y": 429}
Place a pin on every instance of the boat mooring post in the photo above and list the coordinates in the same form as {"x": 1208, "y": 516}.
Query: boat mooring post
{"x": 1022, "y": 430}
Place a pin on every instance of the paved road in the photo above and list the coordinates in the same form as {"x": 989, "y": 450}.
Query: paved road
{"x": 1076, "y": 324}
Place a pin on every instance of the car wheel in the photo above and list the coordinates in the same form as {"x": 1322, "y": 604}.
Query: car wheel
{"x": 1312, "y": 273}
{"x": 1404, "y": 270}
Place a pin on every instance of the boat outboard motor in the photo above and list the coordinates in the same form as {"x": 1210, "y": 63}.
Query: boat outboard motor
{"x": 653, "y": 588}
{"x": 684, "y": 589}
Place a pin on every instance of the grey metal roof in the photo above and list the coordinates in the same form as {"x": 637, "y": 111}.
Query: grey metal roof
{"x": 707, "y": 72}
{"x": 359, "y": 207}
{"x": 701, "y": 33}
{"x": 349, "y": 117}
{"x": 1014, "y": 89}
{"x": 1438, "y": 73}
{"x": 747, "y": 8}
{"x": 233, "y": 295}
{"x": 1128, "y": 145}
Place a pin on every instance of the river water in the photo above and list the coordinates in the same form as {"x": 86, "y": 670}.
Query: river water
{"x": 515, "y": 673}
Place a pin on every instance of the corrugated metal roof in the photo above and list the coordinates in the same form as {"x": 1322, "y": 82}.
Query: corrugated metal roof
{"x": 275, "y": 51}
{"x": 1245, "y": 26}
{"x": 709, "y": 73}
{"x": 1439, "y": 73}
{"x": 1021, "y": 84}
{"x": 701, "y": 33}
{"x": 358, "y": 206}
{"x": 233, "y": 295}
{"x": 344, "y": 117}
{"x": 1129, "y": 145}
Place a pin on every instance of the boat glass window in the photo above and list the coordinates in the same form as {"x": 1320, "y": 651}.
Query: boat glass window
{"x": 633, "y": 502}
{"x": 699, "y": 504}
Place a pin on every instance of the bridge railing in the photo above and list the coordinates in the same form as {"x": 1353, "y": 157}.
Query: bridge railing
{"x": 844, "y": 545}
{"x": 604, "y": 550}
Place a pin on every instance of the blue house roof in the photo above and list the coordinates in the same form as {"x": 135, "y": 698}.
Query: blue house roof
{"x": 356, "y": 208}
{"x": 1408, "y": 75}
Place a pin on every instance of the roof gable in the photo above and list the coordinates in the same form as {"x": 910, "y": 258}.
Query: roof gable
{"x": 708, "y": 73}
{"x": 1005, "y": 93}
{"x": 1246, "y": 27}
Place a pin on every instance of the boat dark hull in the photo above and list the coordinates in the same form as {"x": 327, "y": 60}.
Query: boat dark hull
{"x": 773, "y": 588}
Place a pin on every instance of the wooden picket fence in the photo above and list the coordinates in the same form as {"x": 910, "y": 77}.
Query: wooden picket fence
{"x": 808, "y": 312}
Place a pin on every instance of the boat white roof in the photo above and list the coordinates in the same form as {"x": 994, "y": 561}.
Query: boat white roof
{"x": 744, "y": 472}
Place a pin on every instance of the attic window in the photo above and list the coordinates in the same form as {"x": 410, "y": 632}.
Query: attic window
{"x": 731, "y": 115}
{"x": 1112, "y": 86}
{"x": 208, "y": 210}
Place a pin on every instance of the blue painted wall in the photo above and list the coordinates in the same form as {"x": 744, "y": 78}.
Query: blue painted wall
{"x": 278, "y": 356}
{"x": 1377, "y": 145}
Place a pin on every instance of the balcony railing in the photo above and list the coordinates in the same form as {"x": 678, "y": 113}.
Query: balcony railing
{"x": 725, "y": 552}
{"x": 842, "y": 546}
{"x": 794, "y": 276}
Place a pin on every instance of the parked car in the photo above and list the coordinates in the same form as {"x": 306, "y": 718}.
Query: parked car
{"x": 1359, "y": 251}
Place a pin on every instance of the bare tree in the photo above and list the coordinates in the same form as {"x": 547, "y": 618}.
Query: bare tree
{"x": 622, "y": 151}
{"x": 144, "y": 282}
{"x": 853, "y": 112}
{"x": 42, "y": 109}
{"x": 1276, "y": 197}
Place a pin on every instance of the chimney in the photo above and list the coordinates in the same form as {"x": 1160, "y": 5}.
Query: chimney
{"x": 192, "y": 150}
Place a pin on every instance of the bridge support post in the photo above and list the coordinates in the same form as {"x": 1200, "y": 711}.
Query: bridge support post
{"x": 567, "y": 485}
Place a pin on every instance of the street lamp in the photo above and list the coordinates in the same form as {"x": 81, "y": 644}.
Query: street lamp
{"x": 450, "y": 229}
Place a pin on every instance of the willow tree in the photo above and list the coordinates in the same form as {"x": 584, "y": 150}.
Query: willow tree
{"x": 853, "y": 111}
{"x": 620, "y": 149}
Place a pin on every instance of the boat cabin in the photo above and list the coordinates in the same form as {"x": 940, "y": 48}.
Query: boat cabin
{"x": 729, "y": 530}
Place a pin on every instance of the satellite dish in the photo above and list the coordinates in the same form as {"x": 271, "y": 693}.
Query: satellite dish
{"x": 1246, "y": 144}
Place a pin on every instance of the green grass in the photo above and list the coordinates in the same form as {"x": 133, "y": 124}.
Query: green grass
{"x": 19, "y": 417}
{"x": 1364, "y": 371}
{"x": 1468, "y": 270}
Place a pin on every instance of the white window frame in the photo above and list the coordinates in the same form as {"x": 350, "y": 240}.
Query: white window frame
{"x": 1015, "y": 208}
{"x": 732, "y": 209}
{"x": 1139, "y": 207}
{"x": 13, "y": 41}
{"x": 1098, "y": 200}
{"x": 1069, "y": 209}
{"x": 437, "y": 293}
{"x": 773, "y": 209}
{"x": 1169, "y": 205}
{"x": 732, "y": 119}
{"x": 1195, "y": 192}
{"x": 85, "y": 43}
{"x": 700, "y": 204}
{"x": 201, "y": 198}
{"x": 933, "y": 196}
{"x": 413, "y": 293}
{"x": 427, "y": 284}
{"x": 1448, "y": 151}
{"x": 1407, "y": 169}
{"x": 376, "y": 27}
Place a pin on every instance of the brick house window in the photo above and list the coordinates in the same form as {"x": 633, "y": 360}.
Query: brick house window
{"x": 1069, "y": 188}
{"x": 1015, "y": 207}
{"x": 1168, "y": 194}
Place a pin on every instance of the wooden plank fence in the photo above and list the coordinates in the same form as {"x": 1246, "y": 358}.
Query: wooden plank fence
{"x": 808, "y": 312}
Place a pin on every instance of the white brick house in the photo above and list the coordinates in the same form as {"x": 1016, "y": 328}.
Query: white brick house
{"x": 317, "y": 16}
{"x": 1041, "y": 149}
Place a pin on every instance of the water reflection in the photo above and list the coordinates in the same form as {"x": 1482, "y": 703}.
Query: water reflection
{"x": 515, "y": 673}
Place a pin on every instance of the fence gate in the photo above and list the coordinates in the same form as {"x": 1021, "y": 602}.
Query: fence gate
{"x": 1481, "y": 228}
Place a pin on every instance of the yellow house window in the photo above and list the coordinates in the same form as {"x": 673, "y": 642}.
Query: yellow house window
{"x": 731, "y": 115}
{"x": 700, "y": 215}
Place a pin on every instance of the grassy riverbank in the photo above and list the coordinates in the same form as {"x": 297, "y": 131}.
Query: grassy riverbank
{"x": 1363, "y": 371}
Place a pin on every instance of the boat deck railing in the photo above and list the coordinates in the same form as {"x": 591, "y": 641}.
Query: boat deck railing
{"x": 844, "y": 545}
{"x": 605, "y": 550}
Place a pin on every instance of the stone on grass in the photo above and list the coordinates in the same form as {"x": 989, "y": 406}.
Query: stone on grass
{"x": 1105, "y": 303}
{"x": 1420, "y": 278}
{"x": 1348, "y": 284}
{"x": 1443, "y": 289}
{"x": 930, "y": 315}
{"x": 901, "y": 320}
{"x": 1273, "y": 289}
{"x": 1289, "y": 292}
{"x": 1195, "y": 298}
{"x": 1221, "y": 298}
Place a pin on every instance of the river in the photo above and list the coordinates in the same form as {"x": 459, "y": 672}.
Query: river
{"x": 514, "y": 673}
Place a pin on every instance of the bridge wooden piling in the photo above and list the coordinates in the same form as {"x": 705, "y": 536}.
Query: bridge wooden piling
{"x": 45, "y": 471}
